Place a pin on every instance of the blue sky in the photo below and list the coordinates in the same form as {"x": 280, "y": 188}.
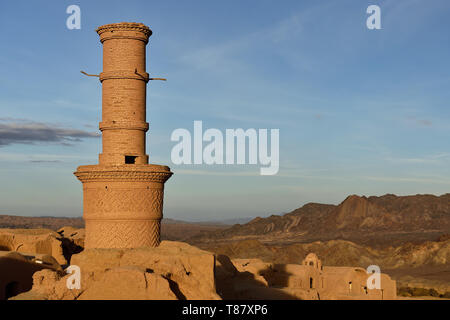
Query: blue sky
{"x": 359, "y": 111}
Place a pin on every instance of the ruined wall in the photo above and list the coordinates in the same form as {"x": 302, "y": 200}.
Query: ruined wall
{"x": 17, "y": 271}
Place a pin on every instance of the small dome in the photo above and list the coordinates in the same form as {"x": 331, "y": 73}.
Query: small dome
{"x": 312, "y": 260}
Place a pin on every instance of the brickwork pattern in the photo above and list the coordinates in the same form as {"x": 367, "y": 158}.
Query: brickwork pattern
{"x": 122, "y": 233}
{"x": 123, "y": 195}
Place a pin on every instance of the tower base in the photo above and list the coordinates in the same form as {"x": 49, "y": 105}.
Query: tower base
{"x": 123, "y": 204}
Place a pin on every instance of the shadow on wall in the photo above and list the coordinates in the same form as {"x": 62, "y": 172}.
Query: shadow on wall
{"x": 69, "y": 248}
{"x": 16, "y": 276}
{"x": 12, "y": 289}
{"x": 17, "y": 271}
{"x": 232, "y": 284}
{"x": 278, "y": 276}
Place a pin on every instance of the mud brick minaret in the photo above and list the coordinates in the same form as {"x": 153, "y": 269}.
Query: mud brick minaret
{"x": 123, "y": 194}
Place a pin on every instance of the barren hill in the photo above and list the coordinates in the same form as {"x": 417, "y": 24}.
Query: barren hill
{"x": 342, "y": 253}
{"x": 53, "y": 223}
{"x": 388, "y": 219}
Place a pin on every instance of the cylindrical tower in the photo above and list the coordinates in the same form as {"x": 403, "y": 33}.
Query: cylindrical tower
{"x": 123, "y": 194}
{"x": 124, "y": 82}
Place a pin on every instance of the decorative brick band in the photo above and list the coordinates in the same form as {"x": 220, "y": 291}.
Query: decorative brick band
{"x": 122, "y": 233}
{"x": 124, "y": 74}
{"x": 123, "y": 173}
{"x": 124, "y": 30}
{"x": 123, "y": 201}
{"x": 130, "y": 125}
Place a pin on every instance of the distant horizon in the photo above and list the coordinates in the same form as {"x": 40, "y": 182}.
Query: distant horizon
{"x": 239, "y": 217}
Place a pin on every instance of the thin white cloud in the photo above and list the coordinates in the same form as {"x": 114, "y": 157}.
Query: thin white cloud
{"x": 36, "y": 157}
{"x": 439, "y": 158}
{"x": 223, "y": 57}
{"x": 215, "y": 173}
{"x": 419, "y": 122}
{"x": 412, "y": 160}
{"x": 408, "y": 179}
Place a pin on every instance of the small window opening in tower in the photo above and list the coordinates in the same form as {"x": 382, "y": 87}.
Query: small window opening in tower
{"x": 130, "y": 159}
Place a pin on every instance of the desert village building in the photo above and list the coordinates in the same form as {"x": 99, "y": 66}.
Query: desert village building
{"x": 340, "y": 282}
{"x": 123, "y": 194}
{"x": 313, "y": 281}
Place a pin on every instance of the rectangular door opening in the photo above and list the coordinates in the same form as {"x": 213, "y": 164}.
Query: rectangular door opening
{"x": 130, "y": 159}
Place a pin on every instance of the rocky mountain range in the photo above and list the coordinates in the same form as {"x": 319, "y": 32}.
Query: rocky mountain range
{"x": 383, "y": 220}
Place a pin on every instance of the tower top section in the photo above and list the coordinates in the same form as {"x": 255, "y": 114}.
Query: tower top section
{"x": 124, "y": 30}
{"x": 124, "y": 80}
